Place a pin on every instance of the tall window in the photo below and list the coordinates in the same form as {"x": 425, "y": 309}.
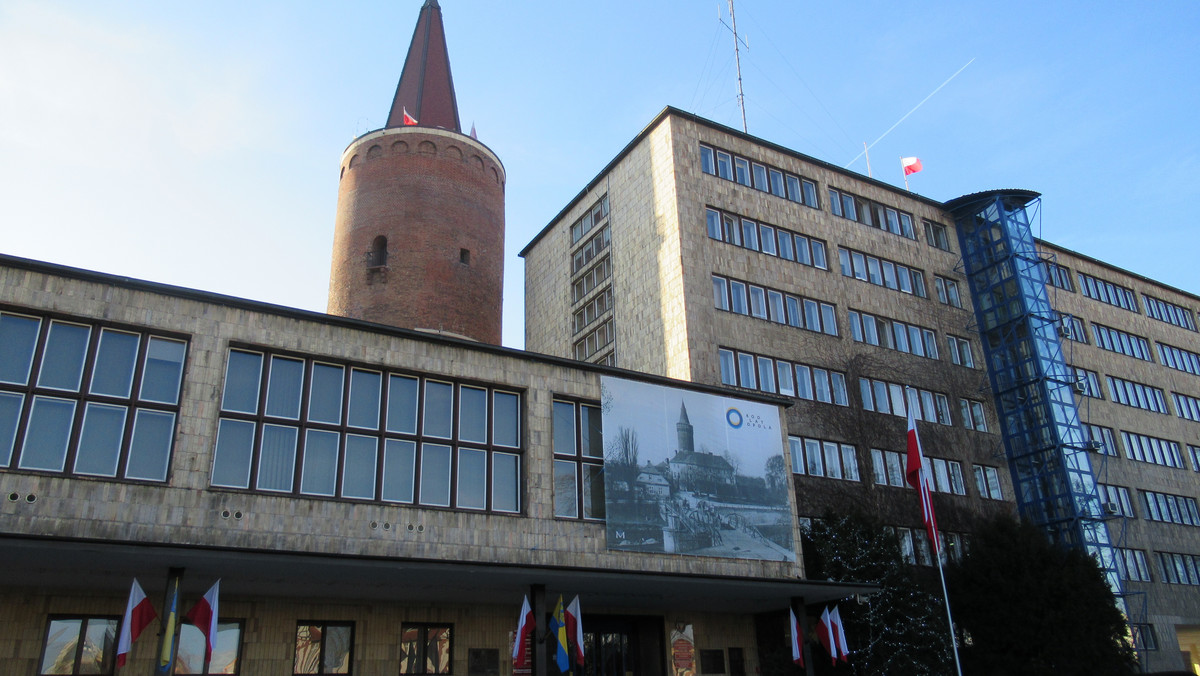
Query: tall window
{"x": 87, "y": 400}
{"x": 226, "y": 655}
{"x": 579, "y": 461}
{"x": 79, "y": 645}
{"x": 297, "y": 425}
{"x": 377, "y": 256}
{"x": 426, "y": 648}
{"x": 987, "y": 480}
{"x": 324, "y": 647}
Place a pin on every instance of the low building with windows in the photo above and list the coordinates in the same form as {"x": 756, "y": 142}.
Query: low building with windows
{"x": 705, "y": 254}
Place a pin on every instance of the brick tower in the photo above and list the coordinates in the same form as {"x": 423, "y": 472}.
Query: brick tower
{"x": 419, "y": 234}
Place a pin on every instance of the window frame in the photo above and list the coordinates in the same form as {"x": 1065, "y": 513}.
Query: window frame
{"x": 109, "y": 661}
{"x": 578, "y": 459}
{"x": 324, "y": 628}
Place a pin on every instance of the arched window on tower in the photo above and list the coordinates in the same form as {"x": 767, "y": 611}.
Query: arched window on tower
{"x": 378, "y": 255}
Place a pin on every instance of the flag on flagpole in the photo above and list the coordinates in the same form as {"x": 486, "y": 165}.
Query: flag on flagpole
{"x": 839, "y": 632}
{"x": 797, "y": 638}
{"x": 558, "y": 626}
{"x": 525, "y": 624}
{"x": 911, "y": 165}
{"x": 575, "y": 628}
{"x": 918, "y": 479}
{"x": 138, "y": 615}
{"x": 409, "y": 120}
{"x": 825, "y": 633}
{"x": 204, "y": 616}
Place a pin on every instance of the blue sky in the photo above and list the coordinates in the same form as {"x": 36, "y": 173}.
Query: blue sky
{"x": 198, "y": 143}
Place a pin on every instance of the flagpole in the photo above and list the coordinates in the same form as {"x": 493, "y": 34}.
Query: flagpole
{"x": 902, "y": 171}
{"x": 949, "y": 618}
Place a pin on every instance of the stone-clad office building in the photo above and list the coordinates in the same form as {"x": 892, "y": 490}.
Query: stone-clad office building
{"x": 702, "y": 253}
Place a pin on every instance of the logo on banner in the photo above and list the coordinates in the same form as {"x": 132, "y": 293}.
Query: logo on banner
{"x": 738, "y": 420}
{"x": 734, "y": 418}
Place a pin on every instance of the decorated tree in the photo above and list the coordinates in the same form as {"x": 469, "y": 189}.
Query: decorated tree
{"x": 900, "y": 629}
{"x": 1025, "y": 605}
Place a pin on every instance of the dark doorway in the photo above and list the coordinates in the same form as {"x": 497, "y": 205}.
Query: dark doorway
{"x": 623, "y": 646}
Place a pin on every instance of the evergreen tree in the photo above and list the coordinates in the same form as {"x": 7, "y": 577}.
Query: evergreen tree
{"x": 1028, "y": 606}
{"x": 899, "y": 630}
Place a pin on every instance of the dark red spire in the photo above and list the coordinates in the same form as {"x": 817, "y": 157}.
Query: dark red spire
{"x": 426, "y": 89}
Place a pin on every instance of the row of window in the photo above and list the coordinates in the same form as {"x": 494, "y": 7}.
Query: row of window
{"x": 1179, "y": 358}
{"x": 1115, "y": 340}
{"x": 1131, "y": 564}
{"x": 894, "y": 335}
{"x": 87, "y": 400}
{"x": 915, "y": 546}
{"x": 1137, "y": 395}
{"x": 771, "y": 240}
{"x": 1115, "y": 500}
{"x": 593, "y": 218}
{"x": 885, "y": 397}
{"x": 596, "y": 340}
{"x": 1179, "y": 568}
{"x": 1058, "y": 276}
{"x": 590, "y": 249}
{"x": 1107, "y": 292}
{"x": 591, "y": 279}
{"x": 871, "y": 213}
{"x": 297, "y": 425}
{"x": 946, "y": 475}
{"x": 817, "y": 457}
{"x": 881, "y": 272}
{"x": 1145, "y": 448}
{"x": 758, "y": 176}
{"x": 777, "y": 376}
{"x": 1188, "y": 407}
{"x": 88, "y": 645}
{"x": 1087, "y": 383}
{"x": 742, "y": 298}
{"x": 1169, "y": 312}
{"x": 1171, "y": 508}
{"x": 947, "y": 291}
{"x": 1072, "y": 328}
{"x": 593, "y": 309}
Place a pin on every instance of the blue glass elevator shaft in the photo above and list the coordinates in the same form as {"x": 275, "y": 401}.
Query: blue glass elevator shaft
{"x": 1033, "y": 388}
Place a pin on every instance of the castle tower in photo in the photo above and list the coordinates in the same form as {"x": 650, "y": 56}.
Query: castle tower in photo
{"x": 419, "y": 233}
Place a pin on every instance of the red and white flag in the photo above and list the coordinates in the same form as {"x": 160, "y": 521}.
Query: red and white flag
{"x": 204, "y": 616}
{"x": 797, "y": 638}
{"x": 409, "y": 120}
{"x": 839, "y": 633}
{"x": 525, "y": 625}
{"x": 825, "y": 633}
{"x": 911, "y": 165}
{"x": 917, "y": 478}
{"x": 575, "y": 629}
{"x": 138, "y": 615}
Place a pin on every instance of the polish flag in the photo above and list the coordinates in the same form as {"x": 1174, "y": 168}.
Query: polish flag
{"x": 575, "y": 628}
{"x": 409, "y": 121}
{"x": 911, "y": 165}
{"x": 839, "y": 632}
{"x": 204, "y": 616}
{"x": 825, "y": 633}
{"x": 917, "y": 478}
{"x": 138, "y": 615}
{"x": 797, "y": 638}
{"x": 524, "y": 628}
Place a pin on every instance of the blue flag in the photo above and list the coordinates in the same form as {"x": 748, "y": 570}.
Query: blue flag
{"x": 558, "y": 625}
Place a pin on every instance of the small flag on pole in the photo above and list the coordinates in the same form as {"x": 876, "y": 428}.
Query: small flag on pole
{"x": 797, "y": 638}
{"x": 525, "y": 624}
{"x": 839, "y": 632}
{"x": 138, "y": 615}
{"x": 911, "y": 165}
{"x": 204, "y": 616}
{"x": 917, "y": 478}
{"x": 558, "y": 626}
{"x": 575, "y": 628}
{"x": 409, "y": 120}
{"x": 825, "y": 633}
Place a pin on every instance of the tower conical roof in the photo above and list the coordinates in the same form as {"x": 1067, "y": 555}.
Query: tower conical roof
{"x": 426, "y": 90}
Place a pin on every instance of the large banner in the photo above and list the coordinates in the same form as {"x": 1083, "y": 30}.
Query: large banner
{"x": 693, "y": 473}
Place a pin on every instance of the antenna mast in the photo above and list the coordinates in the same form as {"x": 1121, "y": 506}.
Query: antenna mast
{"x": 737, "y": 57}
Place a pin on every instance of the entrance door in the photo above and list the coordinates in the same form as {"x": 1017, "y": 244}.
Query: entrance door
{"x": 622, "y": 646}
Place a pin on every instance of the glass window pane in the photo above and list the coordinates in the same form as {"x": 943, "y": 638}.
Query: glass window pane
{"x": 325, "y": 394}
{"x": 472, "y": 414}
{"x": 10, "y": 414}
{"x": 435, "y": 475}
{"x": 803, "y": 382}
{"x": 99, "y": 643}
{"x": 318, "y": 476}
{"x": 402, "y": 404}
{"x": 439, "y": 401}
{"x": 115, "y": 359}
{"x": 283, "y": 387}
{"x": 564, "y": 428}
{"x": 364, "y": 399}
{"x": 190, "y": 655}
{"x": 361, "y": 461}
{"x": 47, "y": 434}
{"x": 593, "y": 492}
{"x": 242, "y": 376}
{"x": 231, "y": 460}
{"x": 812, "y": 451}
{"x": 277, "y": 461}
{"x": 100, "y": 440}
{"x": 566, "y": 495}
{"x": 62, "y": 640}
{"x": 399, "y": 464}
{"x": 150, "y": 447}
{"x": 18, "y": 335}
{"x": 506, "y": 482}
{"x": 472, "y": 479}
{"x": 164, "y": 370}
{"x": 62, "y": 362}
{"x": 592, "y": 431}
{"x": 833, "y": 463}
{"x": 506, "y": 419}
{"x": 336, "y": 658}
